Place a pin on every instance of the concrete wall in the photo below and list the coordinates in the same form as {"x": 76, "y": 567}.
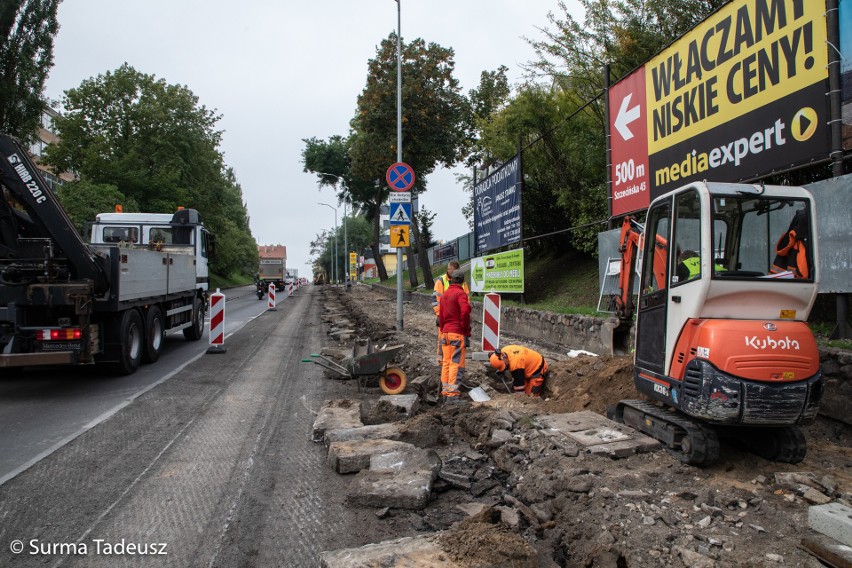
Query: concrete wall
{"x": 584, "y": 332}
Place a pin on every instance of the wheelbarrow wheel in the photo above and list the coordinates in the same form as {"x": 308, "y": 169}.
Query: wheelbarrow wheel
{"x": 393, "y": 381}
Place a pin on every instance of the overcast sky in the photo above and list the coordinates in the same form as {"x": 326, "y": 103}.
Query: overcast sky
{"x": 279, "y": 71}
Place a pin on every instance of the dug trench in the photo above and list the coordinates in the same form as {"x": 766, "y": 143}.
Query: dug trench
{"x": 512, "y": 495}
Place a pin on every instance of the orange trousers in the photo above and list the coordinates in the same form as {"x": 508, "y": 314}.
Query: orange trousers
{"x": 452, "y": 366}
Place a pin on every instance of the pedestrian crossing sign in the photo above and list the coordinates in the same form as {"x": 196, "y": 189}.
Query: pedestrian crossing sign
{"x": 399, "y": 236}
{"x": 400, "y": 213}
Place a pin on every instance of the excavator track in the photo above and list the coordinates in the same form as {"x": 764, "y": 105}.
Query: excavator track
{"x": 688, "y": 440}
{"x": 784, "y": 444}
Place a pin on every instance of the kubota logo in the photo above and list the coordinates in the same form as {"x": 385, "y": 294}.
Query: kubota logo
{"x": 769, "y": 343}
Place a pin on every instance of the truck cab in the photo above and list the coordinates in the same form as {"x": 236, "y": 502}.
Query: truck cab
{"x": 159, "y": 231}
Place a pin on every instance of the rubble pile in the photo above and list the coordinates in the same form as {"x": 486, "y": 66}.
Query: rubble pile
{"x": 518, "y": 481}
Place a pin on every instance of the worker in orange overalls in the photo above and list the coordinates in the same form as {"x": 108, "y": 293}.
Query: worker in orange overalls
{"x": 441, "y": 284}
{"x": 527, "y": 367}
{"x": 454, "y": 322}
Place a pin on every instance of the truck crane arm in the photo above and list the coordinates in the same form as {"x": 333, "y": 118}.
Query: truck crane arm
{"x": 30, "y": 210}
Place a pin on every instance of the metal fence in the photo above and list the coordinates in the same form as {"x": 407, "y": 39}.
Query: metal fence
{"x": 461, "y": 249}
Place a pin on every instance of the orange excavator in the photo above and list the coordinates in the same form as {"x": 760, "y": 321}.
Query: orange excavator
{"x": 728, "y": 276}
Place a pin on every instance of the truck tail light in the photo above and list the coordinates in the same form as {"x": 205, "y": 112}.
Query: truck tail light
{"x": 59, "y": 334}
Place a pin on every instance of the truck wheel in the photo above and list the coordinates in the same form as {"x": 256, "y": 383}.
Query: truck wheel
{"x": 196, "y": 330}
{"x": 155, "y": 334}
{"x": 131, "y": 333}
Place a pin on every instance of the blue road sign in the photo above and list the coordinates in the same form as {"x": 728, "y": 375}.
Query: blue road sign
{"x": 400, "y": 213}
{"x": 400, "y": 177}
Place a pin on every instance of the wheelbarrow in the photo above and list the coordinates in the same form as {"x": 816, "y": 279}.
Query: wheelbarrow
{"x": 365, "y": 364}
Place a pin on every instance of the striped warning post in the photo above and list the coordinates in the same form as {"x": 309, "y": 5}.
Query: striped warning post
{"x": 291, "y": 289}
{"x": 491, "y": 322}
{"x": 217, "y": 322}
{"x": 271, "y": 302}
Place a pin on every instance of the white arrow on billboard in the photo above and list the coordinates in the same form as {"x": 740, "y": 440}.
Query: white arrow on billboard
{"x": 625, "y": 117}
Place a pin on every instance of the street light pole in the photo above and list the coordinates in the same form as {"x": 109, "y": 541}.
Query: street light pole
{"x": 345, "y": 203}
{"x": 399, "y": 152}
{"x": 334, "y": 273}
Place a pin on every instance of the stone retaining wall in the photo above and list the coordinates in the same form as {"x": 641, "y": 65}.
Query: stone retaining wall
{"x": 584, "y": 332}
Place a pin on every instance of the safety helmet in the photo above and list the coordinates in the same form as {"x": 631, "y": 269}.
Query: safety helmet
{"x": 497, "y": 362}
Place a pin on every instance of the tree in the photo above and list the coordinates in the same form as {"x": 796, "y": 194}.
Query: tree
{"x": 156, "y": 146}
{"x": 27, "y": 29}
{"x": 329, "y": 160}
{"x": 83, "y": 200}
{"x": 436, "y": 117}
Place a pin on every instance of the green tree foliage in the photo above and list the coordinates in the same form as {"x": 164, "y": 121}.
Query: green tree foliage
{"x": 435, "y": 117}
{"x": 27, "y": 29}
{"x": 83, "y": 200}
{"x": 157, "y": 147}
{"x": 561, "y": 134}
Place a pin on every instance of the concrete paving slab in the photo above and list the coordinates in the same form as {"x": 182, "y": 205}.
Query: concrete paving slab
{"x": 336, "y": 415}
{"x": 398, "y": 405}
{"x": 408, "y": 552}
{"x": 832, "y": 519}
{"x": 372, "y": 432}
{"x": 401, "y": 480}
{"x": 353, "y": 456}
{"x": 599, "y": 435}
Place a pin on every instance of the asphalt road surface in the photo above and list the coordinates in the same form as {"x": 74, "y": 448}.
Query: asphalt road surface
{"x": 43, "y": 409}
{"x": 212, "y": 467}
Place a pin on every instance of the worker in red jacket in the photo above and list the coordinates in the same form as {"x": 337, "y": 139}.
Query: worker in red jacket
{"x": 441, "y": 284}
{"x": 527, "y": 367}
{"x": 454, "y": 324}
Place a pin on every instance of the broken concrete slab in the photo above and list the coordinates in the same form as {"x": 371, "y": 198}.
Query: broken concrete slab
{"x": 397, "y": 406}
{"x": 411, "y": 552}
{"x": 599, "y": 435}
{"x": 402, "y": 480}
{"x": 336, "y": 415}
{"x": 354, "y": 455}
{"x": 373, "y": 432}
{"x": 833, "y": 520}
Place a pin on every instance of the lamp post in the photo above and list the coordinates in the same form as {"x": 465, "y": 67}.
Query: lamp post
{"x": 345, "y": 203}
{"x": 334, "y": 244}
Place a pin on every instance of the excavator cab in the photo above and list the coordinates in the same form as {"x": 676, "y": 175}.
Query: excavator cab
{"x": 728, "y": 279}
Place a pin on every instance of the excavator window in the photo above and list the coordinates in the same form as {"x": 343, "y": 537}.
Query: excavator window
{"x": 655, "y": 258}
{"x": 687, "y": 237}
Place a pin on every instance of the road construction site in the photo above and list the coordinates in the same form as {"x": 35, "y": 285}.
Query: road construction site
{"x": 253, "y": 458}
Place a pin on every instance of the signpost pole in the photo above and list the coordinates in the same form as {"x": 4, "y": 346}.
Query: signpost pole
{"x": 399, "y": 152}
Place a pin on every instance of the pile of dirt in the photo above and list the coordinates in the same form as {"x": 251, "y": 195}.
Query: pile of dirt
{"x": 579, "y": 509}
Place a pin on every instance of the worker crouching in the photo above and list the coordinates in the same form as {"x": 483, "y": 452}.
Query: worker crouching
{"x": 526, "y": 366}
{"x": 454, "y": 324}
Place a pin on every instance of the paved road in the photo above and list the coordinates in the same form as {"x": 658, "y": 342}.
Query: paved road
{"x": 43, "y": 409}
{"x": 214, "y": 466}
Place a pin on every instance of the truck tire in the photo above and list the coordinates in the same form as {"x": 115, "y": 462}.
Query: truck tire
{"x": 155, "y": 334}
{"x": 132, "y": 335}
{"x": 196, "y": 330}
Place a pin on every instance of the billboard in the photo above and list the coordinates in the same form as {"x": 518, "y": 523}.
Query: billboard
{"x": 497, "y": 207}
{"x": 502, "y": 272}
{"x": 741, "y": 95}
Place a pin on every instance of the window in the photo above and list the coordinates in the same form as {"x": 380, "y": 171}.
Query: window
{"x": 687, "y": 237}
{"x": 160, "y": 235}
{"x": 119, "y": 234}
{"x": 655, "y": 259}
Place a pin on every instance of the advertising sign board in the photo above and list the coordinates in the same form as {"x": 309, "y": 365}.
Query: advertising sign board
{"x": 502, "y": 272}
{"x": 741, "y": 95}
{"x": 497, "y": 207}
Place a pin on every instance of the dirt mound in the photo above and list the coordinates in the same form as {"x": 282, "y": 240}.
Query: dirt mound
{"x": 588, "y": 383}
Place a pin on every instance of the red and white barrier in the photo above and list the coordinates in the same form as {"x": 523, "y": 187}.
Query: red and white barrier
{"x": 290, "y": 293}
{"x": 271, "y": 295}
{"x": 217, "y": 322}
{"x": 491, "y": 322}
